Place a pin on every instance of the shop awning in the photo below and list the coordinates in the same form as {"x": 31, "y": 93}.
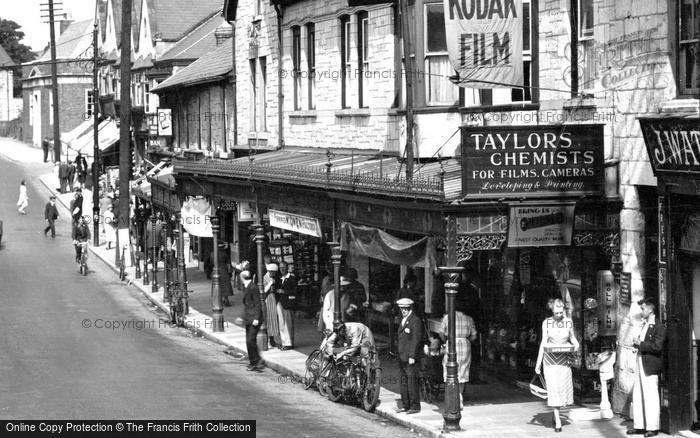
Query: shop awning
{"x": 377, "y": 244}
{"x": 108, "y": 135}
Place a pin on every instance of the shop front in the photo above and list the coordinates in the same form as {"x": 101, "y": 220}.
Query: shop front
{"x": 536, "y": 225}
{"x": 673, "y": 144}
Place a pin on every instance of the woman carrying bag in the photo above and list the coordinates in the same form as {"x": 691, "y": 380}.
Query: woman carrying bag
{"x": 558, "y": 342}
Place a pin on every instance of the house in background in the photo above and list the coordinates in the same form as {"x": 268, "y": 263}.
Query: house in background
{"x": 76, "y": 102}
{"x": 8, "y": 104}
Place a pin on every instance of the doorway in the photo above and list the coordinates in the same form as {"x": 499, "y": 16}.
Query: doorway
{"x": 35, "y": 117}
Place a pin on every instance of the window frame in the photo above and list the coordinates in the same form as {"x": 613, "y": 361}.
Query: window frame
{"x": 683, "y": 45}
{"x": 311, "y": 63}
{"x": 427, "y": 53}
{"x": 344, "y": 22}
{"x": 362, "y": 56}
{"x": 584, "y": 33}
{"x": 296, "y": 67}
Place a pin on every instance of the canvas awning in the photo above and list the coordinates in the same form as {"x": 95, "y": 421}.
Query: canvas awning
{"x": 375, "y": 243}
{"x": 108, "y": 134}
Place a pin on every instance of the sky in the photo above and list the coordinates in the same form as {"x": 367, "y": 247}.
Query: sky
{"x": 27, "y": 14}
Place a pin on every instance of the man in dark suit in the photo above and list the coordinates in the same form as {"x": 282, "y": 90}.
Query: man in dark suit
{"x": 252, "y": 316}
{"x": 63, "y": 177}
{"x": 645, "y": 393}
{"x": 51, "y": 214}
{"x": 81, "y": 167}
{"x": 45, "y": 148}
{"x": 76, "y": 206}
{"x": 410, "y": 340}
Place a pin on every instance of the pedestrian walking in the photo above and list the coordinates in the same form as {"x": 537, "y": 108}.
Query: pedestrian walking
{"x": 63, "y": 170}
{"x": 252, "y": 317}
{"x": 557, "y": 332}
{"x": 50, "y": 215}
{"x": 105, "y": 204}
{"x": 465, "y": 334}
{"x": 270, "y": 285}
{"x": 81, "y": 168}
{"x": 110, "y": 227}
{"x": 76, "y": 206}
{"x": 286, "y": 298}
{"x": 645, "y": 392}
{"x": 410, "y": 340}
{"x": 45, "y": 148}
{"x": 23, "y": 201}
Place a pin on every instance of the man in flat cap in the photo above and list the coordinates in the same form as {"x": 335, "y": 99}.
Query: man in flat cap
{"x": 410, "y": 336}
{"x": 645, "y": 393}
{"x": 50, "y": 215}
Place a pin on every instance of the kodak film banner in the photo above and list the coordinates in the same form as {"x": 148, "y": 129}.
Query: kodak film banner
{"x": 485, "y": 42}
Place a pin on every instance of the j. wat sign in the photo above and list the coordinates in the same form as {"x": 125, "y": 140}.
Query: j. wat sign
{"x": 509, "y": 161}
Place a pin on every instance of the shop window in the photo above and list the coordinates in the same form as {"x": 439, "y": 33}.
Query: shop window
{"x": 311, "y": 63}
{"x": 296, "y": 66}
{"x": 689, "y": 46}
{"x": 585, "y": 19}
{"x": 438, "y": 88}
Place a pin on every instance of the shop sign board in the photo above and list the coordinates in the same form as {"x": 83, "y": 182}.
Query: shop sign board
{"x": 626, "y": 288}
{"x": 165, "y": 122}
{"x": 673, "y": 144}
{"x": 524, "y": 161}
{"x": 295, "y": 222}
{"x": 663, "y": 256}
{"x": 247, "y": 212}
{"x": 607, "y": 305}
{"x": 541, "y": 225}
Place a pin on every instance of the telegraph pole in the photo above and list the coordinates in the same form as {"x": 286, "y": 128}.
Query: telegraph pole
{"x": 54, "y": 84}
{"x": 96, "y": 151}
{"x": 125, "y": 118}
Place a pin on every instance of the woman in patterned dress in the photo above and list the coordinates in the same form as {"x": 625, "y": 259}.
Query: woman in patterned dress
{"x": 557, "y": 331}
{"x": 270, "y": 285}
{"x": 465, "y": 334}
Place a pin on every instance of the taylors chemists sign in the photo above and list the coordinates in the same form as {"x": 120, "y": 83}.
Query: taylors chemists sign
{"x": 513, "y": 161}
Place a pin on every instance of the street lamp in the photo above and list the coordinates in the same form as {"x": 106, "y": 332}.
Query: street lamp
{"x": 181, "y": 273}
{"x": 167, "y": 261}
{"x": 452, "y": 414}
{"x": 259, "y": 240}
{"x": 216, "y": 304}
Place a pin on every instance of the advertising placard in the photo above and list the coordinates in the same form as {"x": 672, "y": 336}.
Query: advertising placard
{"x": 673, "y": 145}
{"x": 484, "y": 42}
{"x": 545, "y": 160}
{"x": 165, "y": 122}
{"x": 247, "y": 211}
{"x": 541, "y": 225}
{"x": 295, "y": 222}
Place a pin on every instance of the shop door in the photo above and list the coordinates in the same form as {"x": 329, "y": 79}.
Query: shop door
{"x": 695, "y": 291}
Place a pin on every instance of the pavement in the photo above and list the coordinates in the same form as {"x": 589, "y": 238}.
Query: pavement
{"x": 485, "y": 414}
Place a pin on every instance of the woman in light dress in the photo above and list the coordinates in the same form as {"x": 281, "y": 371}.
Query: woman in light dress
{"x": 557, "y": 331}
{"x": 23, "y": 201}
{"x": 110, "y": 227}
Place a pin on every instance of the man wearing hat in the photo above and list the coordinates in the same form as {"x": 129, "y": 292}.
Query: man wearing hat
{"x": 352, "y": 297}
{"x": 645, "y": 393}
{"x": 410, "y": 337}
{"x": 51, "y": 214}
{"x": 252, "y": 317}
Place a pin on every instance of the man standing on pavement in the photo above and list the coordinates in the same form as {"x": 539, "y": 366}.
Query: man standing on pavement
{"x": 81, "y": 168}
{"x": 645, "y": 393}
{"x": 51, "y": 214}
{"x": 252, "y": 316}
{"x": 45, "y": 148}
{"x": 410, "y": 337}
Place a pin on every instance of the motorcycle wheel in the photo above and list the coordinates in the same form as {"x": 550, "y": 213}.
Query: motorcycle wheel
{"x": 370, "y": 398}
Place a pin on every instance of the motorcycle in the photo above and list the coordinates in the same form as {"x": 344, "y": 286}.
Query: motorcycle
{"x": 345, "y": 377}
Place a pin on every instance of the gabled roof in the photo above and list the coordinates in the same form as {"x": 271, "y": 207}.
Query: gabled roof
{"x": 74, "y": 42}
{"x": 197, "y": 44}
{"x": 211, "y": 67}
{"x": 5, "y": 60}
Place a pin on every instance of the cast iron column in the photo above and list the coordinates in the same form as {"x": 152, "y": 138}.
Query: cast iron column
{"x": 146, "y": 275}
{"x": 181, "y": 274}
{"x": 452, "y": 414}
{"x": 262, "y": 333}
{"x": 139, "y": 216}
{"x": 335, "y": 258}
{"x": 216, "y": 304}
{"x": 154, "y": 252}
{"x": 166, "y": 261}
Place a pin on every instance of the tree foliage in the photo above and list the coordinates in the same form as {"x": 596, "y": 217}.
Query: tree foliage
{"x": 10, "y": 39}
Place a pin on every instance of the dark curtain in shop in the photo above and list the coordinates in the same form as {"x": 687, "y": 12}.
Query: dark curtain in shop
{"x": 375, "y": 243}
{"x": 690, "y": 235}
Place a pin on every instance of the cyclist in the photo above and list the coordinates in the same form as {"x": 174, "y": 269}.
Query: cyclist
{"x": 354, "y": 338}
{"x": 81, "y": 236}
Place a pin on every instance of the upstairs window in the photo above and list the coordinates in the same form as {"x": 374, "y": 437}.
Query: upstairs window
{"x": 585, "y": 19}
{"x": 689, "y": 47}
{"x": 311, "y": 61}
{"x": 362, "y": 57}
{"x": 296, "y": 66}
{"x": 345, "y": 58}
{"x": 438, "y": 88}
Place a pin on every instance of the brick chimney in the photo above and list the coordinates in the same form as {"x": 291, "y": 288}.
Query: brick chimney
{"x": 64, "y": 20}
{"x": 222, "y": 33}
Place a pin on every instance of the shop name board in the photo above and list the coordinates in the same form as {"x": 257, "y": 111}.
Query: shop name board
{"x": 511, "y": 161}
{"x": 673, "y": 144}
{"x": 295, "y": 222}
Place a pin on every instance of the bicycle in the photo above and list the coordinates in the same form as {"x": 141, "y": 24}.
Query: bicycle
{"x": 178, "y": 305}
{"x": 83, "y": 268}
